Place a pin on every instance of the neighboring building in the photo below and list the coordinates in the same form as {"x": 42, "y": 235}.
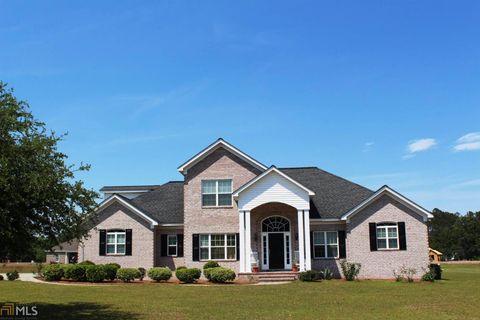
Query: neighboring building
{"x": 233, "y": 209}
{"x": 66, "y": 252}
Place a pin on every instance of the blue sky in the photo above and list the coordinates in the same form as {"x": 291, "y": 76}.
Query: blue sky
{"x": 378, "y": 92}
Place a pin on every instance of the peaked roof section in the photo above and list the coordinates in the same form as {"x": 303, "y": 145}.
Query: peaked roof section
{"x": 386, "y": 190}
{"x": 333, "y": 195}
{"x": 272, "y": 169}
{"x": 141, "y": 188}
{"x": 220, "y": 143}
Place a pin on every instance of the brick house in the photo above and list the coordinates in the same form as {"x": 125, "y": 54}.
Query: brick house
{"x": 233, "y": 209}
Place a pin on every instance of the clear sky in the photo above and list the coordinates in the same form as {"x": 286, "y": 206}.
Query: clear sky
{"x": 383, "y": 92}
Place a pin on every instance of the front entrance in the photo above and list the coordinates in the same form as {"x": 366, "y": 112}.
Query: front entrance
{"x": 276, "y": 244}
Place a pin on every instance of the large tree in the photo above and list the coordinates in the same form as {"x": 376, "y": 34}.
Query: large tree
{"x": 41, "y": 201}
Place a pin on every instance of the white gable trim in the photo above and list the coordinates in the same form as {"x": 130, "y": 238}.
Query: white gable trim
{"x": 214, "y": 146}
{"x": 261, "y": 176}
{"x": 116, "y": 198}
{"x": 386, "y": 190}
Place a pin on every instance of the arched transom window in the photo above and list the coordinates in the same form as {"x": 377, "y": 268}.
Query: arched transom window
{"x": 275, "y": 224}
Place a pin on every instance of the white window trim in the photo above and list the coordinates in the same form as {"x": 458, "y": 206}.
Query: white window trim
{"x": 386, "y": 226}
{"x": 171, "y": 245}
{"x": 325, "y": 245}
{"x": 225, "y": 246}
{"x": 115, "y": 243}
{"x": 216, "y": 193}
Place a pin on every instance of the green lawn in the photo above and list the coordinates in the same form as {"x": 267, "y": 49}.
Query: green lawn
{"x": 456, "y": 297}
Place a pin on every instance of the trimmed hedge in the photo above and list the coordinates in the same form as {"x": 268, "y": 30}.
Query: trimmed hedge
{"x": 160, "y": 274}
{"x": 210, "y": 264}
{"x": 1, "y": 278}
{"x": 436, "y": 269}
{"x": 11, "y": 276}
{"x": 220, "y": 274}
{"x": 128, "y": 274}
{"x": 86, "y": 262}
{"x": 310, "y": 275}
{"x": 142, "y": 273}
{"x": 53, "y": 272}
{"x": 188, "y": 275}
{"x": 75, "y": 272}
{"x": 111, "y": 271}
{"x": 95, "y": 273}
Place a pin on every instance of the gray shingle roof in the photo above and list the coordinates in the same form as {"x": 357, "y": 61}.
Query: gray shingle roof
{"x": 164, "y": 204}
{"x": 334, "y": 196}
{"x": 130, "y": 188}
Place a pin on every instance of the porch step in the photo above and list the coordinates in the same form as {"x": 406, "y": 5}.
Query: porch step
{"x": 277, "y": 277}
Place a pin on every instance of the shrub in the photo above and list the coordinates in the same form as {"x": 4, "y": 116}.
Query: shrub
{"x": 142, "y": 273}
{"x": 11, "y": 276}
{"x": 95, "y": 273}
{"x": 326, "y": 274}
{"x": 111, "y": 271}
{"x": 181, "y": 267}
{"x": 127, "y": 274}
{"x": 404, "y": 274}
{"x": 160, "y": 274}
{"x": 188, "y": 275}
{"x": 350, "y": 270}
{"x": 429, "y": 276}
{"x": 86, "y": 262}
{"x": 221, "y": 275}
{"x": 53, "y": 272}
{"x": 1, "y": 278}
{"x": 436, "y": 269}
{"x": 310, "y": 275}
{"x": 39, "y": 267}
{"x": 75, "y": 272}
{"x": 210, "y": 264}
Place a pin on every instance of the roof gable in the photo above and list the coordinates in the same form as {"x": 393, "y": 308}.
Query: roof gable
{"x": 220, "y": 143}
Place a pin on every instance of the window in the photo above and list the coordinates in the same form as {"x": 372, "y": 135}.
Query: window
{"x": 325, "y": 244}
{"x": 387, "y": 236}
{"x": 218, "y": 247}
{"x": 172, "y": 245}
{"x": 216, "y": 193}
{"x": 115, "y": 242}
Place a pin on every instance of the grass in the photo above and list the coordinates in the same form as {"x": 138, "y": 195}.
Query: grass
{"x": 21, "y": 267}
{"x": 456, "y": 297}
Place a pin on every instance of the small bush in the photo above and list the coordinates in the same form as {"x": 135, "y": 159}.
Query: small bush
{"x": 75, "y": 272}
{"x": 160, "y": 274}
{"x": 326, "y": 274}
{"x": 95, "y": 273}
{"x": 310, "y": 275}
{"x": 210, "y": 264}
{"x": 404, "y": 274}
{"x": 86, "y": 262}
{"x": 53, "y": 272}
{"x": 38, "y": 268}
{"x": 428, "y": 276}
{"x": 350, "y": 270}
{"x": 221, "y": 275}
{"x": 188, "y": 275}
{"x": 181, "y": 267}
{"x": 1, "y": 278}
{"x": 111, "y": 271}
{"x": 142, "y": 273}
{"x": 436, "y": 269}
{"x": 128, "y": 274}
{"x": 11, "y": 276}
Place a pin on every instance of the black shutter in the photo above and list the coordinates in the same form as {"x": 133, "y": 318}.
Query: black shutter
{"x": 402, "y": 239}
{"x": 179, "y": 245}
{"x": 196, "y": 247}
{"x": 163, "y": 245}
{"x": 312, "y": 247}
{"x": 373, "y": 236}
{"x": 342, "y": 250}
{"x": 103, "y": 242}
{"x": 237, "y": 242}
{"x": 128, "y": 242}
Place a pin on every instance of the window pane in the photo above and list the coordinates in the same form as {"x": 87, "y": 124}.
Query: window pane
{"x": 204, "y": 240}
{"x": 218, "y": 253}
{"x": 392, "y": 243}
{"x": 172, "y": 251}
{"x": 332, "y": 251}
{"x": 209, "y": 200}
{"x": 225, "y": 199}
{"x": 392, "y": 232}
{"x": 204, "y": 253}
{"x": 332, "y": 237}
{"x": 110, "y": 248}
{"x": 110, "y": 238}
{"x": 381, "y": 243}
{"x": 230, "y": 240}
{"x": 217, "y": 240}
{"x": 121, "y": 248}
{"x": 231, "y": 254}
{"x": 381, "y": 233}
{"x": 318, "y": 238}
{"x": 208, "y": 186}
{"x": 319, "y": 251}
{"x": 172, "y": 240}
{"x": 121, "y": 238}
{"x": 225, "y": 186}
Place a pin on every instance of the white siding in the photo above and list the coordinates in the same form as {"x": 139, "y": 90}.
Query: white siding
{"x": 273, "y": 188}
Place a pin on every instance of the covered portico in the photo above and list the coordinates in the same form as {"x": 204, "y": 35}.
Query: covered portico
{"x": 274, "y": 222}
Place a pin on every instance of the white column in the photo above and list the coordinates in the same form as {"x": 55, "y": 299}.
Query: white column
{"x": 248, "y": 241}
{"x": 241, "y": 224}
{"x": 301, "y": 239}
{"x": 308, "y": 250}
